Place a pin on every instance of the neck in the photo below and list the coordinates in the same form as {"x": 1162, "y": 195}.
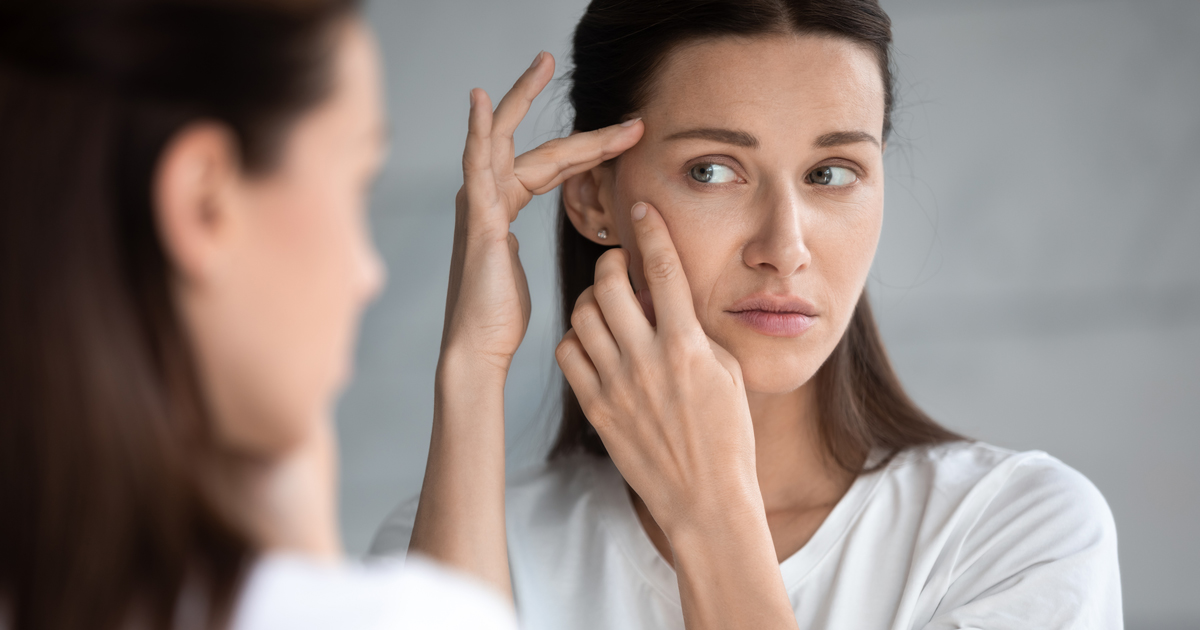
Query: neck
{"x": 794, "y": 470}
{"x": 285, "y": 502}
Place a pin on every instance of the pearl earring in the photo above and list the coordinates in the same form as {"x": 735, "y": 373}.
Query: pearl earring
{"x": 602, "y": 234}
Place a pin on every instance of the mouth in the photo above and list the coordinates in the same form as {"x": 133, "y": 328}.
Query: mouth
{"x": 775, "y": 315}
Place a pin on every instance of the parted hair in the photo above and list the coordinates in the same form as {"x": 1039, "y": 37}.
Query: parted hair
{"x": 104, "y": 432}
{"x": 618, "y": 47}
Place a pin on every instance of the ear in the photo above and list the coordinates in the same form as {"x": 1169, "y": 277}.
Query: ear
{"x": 586, "y": 202}
{"x": 195, "y": 194}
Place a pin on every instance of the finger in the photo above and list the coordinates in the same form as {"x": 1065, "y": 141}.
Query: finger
{"x": 477, "y": 156}
{"x": 663, "y": 272}
{"x": 516, "y": 103}
{"x": 647, "y": 304}
{"x": 542, "y": 169}
{"x": 618, "y": 304}
{"x": 587, "y": 320}
{"x": 578, "y": 368}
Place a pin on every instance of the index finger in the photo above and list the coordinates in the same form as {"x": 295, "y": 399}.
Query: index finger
{"x": 516, "y": 102}
{"x": 542, "y": 169}
{"x": 664, "y": 275}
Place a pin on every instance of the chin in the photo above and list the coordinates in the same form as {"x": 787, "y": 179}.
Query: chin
{"x": 776, "y": 366}
{"x": 765, "y": 376}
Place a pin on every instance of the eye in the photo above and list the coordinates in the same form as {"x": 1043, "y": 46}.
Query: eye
{"x": 712, "y": 174}
{"x": 832, "y": 176}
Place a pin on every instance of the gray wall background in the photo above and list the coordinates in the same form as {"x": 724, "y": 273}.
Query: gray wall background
{"x": 1038, "y": 280}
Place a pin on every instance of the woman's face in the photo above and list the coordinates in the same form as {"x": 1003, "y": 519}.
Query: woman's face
{"x": 764, "y": 156}
{"x": 276, "y": 315}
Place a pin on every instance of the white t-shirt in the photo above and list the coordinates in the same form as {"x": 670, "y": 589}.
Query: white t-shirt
{"x": 963, "y": 535}
{"x": 286, "y": 592}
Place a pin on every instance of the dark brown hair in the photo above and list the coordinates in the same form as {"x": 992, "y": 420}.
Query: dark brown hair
{"x": 103, "y": 427}
{"x": 619, "y": 45}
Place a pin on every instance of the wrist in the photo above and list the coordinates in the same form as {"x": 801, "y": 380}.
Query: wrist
{"x": 460, "y": 367}
{"x": 719, "y": 517}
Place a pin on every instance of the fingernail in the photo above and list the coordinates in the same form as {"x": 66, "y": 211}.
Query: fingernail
{"x": 629, "y": 123}
{"x": 537, "y": 60}
{"x": 639, "y": 211}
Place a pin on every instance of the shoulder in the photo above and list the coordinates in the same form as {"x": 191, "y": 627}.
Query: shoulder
{"x": 1001, "y": 481}
{"x": 1012, "y": 531}
{"x": 295, "y": 593}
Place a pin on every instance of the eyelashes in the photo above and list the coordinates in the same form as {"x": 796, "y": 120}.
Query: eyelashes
{"x": 832, "y": 176}
{"x": 710, "y": 171}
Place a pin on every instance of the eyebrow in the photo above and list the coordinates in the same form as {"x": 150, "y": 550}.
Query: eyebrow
{"x": 726, "y": 136}
{"x": 746, "y": 140}
{"x": 839, "y": 138}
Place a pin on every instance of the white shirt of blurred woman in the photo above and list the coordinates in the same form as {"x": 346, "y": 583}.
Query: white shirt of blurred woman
{"x": 291, "y": 592}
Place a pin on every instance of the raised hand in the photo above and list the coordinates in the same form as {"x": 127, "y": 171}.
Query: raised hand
{"x": 460, "y": 519}
{"x": 671, "y": 409}
{"x": 487, "y": 304}
{"x": 668, "y": 402}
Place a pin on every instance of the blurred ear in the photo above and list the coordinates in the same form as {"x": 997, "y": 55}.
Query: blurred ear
{"x": 195, "y": 190}
{"x": 588, "y": 204}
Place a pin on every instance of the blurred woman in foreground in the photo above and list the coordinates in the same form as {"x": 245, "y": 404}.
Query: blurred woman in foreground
{"x": 184, "y": 258}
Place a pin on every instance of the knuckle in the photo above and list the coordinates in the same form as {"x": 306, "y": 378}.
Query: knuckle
{"x": 661, "y": 268}
{"x": 471, "y": 163}
{"x": 563, "y": 351}
{"x": 610, "y": 286}
{"x": 584, "y": 316}
{"x": 550, "y": 148}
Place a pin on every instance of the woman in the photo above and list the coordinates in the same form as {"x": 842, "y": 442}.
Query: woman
{"x": 184, "y": 258}
{"x": 742, "y": 455}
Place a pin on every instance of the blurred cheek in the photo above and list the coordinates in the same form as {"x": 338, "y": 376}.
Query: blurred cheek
{"x": 305, "y": 279}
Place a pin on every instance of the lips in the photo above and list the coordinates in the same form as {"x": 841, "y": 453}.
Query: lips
{"x": 775, "y": 315}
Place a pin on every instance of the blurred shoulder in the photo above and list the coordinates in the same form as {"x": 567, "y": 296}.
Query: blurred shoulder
{"x": 296, "y": 593}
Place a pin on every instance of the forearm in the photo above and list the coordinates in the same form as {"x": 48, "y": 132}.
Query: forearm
{"x": 460, "y": 517}
{"x": 728, "y": 573}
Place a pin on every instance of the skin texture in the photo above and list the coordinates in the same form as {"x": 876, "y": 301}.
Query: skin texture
{"x": 711, "y": 421}
{"x": 271, "y": 274}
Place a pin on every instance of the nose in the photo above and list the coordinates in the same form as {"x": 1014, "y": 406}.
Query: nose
{"x": 777, "y": 244}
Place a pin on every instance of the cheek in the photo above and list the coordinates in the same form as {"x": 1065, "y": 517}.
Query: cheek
{"x": 321, "y": 251}
{"x": 843, "y": 247}
{"x": 704, "y": 237}
{"x": 302, "y": 303}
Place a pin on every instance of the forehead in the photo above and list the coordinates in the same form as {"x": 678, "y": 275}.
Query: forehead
{"x": 763, "y": 82}
{"x": 356, "y": 72}
{"x": 351, "y": 117}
